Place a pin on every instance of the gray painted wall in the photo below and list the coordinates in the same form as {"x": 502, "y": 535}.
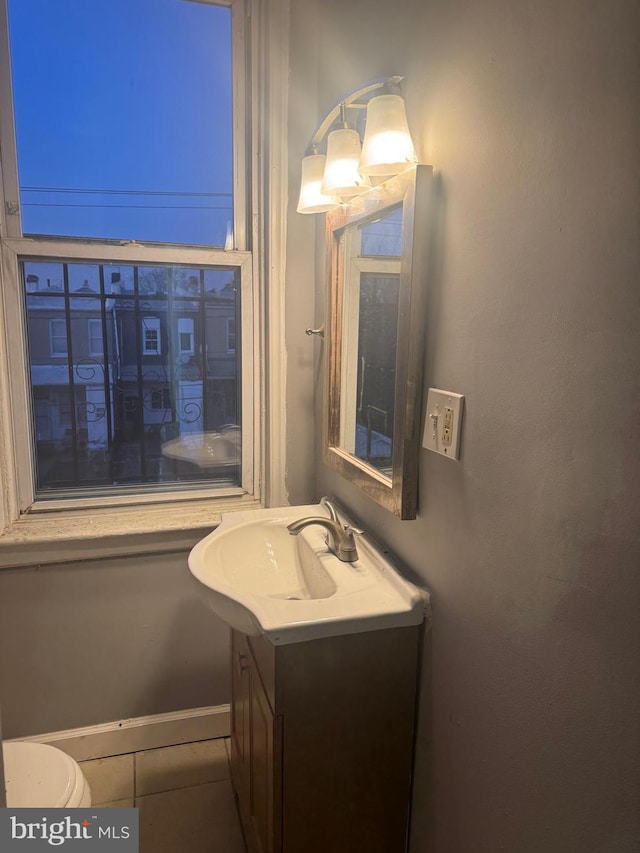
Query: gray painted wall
{"x": 302, "y": 372}
{"x": 529, "y": 737}
{"x": 103, "y": 640}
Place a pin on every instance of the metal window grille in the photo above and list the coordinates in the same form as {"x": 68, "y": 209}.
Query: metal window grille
{"x": 141, "y": 410}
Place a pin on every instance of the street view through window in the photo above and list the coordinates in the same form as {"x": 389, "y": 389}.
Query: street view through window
{"x": 134, "y": 373}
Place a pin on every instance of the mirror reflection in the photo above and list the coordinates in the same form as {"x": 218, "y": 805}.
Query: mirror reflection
{"x": 372, "y": 254}
{"x": 376, "y": 298}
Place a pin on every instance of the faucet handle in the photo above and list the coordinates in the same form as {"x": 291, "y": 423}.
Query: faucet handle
{"x": 347, "y": 550}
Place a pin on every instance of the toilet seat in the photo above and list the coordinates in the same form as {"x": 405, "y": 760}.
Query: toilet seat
{"x": 41, "y": 776}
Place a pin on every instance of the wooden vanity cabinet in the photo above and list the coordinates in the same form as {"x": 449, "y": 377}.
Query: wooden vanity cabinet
{"x": 256, "y": 747}
{"x": 322, "y": 741}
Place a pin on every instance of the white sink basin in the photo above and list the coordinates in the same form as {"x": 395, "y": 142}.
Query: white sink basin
{"x": 262, "y": 580}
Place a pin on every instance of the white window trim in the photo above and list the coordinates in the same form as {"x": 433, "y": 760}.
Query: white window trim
{"x": 33, "y": 532}
{"x": 270, "y": 93}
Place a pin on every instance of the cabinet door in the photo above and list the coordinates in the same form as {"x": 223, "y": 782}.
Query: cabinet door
{"x": 256, "y": 752}
{"x": 240, "y": 716}
{"x": 265, "y": 770}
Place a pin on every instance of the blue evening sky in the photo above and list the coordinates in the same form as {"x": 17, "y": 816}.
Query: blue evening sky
{"x": 129, "y": 96}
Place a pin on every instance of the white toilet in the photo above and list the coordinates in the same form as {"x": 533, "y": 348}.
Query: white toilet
{"x": 41, "y": 776}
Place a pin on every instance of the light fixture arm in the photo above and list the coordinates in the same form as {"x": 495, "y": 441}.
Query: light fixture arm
{"x": 349, "y": 100}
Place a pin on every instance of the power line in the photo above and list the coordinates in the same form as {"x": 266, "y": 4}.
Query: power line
{"x": 133, "y": 206}
{"x": 119, "y": 192}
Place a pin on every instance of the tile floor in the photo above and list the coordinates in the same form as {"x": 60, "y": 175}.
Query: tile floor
{"x": 183, "y": 794}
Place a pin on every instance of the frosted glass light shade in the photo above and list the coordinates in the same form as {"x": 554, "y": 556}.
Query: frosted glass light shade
{"x": 387, "y": 148}
{"x": 341, "y": 176}
{"x": 312, "y": 199}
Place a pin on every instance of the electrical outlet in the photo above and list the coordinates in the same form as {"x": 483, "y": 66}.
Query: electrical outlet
{"x": 447, "y": 425}
{"x": 442, "y": 422}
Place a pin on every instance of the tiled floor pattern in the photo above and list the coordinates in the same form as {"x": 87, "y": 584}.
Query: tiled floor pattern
{"x": 183, "y": 794}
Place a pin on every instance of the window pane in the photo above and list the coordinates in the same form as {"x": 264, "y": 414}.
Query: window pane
{"x": 136, "y": 386}
{"x": 123, "y": 118}
{"x": 383, "y": 237}
{"x": 377, "y": 347}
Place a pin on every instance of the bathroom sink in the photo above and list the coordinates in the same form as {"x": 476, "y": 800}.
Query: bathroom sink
{"x": 261, "y": 580}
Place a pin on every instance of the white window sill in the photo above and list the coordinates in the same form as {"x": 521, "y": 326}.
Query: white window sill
{"x": 38, "y": 539}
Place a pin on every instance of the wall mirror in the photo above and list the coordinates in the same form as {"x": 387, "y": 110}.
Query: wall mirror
{"x": 377, "y": 258}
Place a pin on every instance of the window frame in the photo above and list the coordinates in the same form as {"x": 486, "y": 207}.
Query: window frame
{"x": 260, "y": 92}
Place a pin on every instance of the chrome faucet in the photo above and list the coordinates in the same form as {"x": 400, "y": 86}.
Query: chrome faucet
{"x": 325, "y": 503}
{"x": 340, "y": 540}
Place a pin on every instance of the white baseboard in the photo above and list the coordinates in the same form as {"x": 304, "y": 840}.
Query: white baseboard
{"x": 139, "y": 733}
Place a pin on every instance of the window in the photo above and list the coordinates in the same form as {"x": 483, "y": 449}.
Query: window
{"x": 161, "y": 399}
{"x": 137, "y": 256}
{"x": 231, "y": 334}
{"x": 151, "y": 336}
{"x": 185, "y": 336}
{"x": 57, "y": 338}
{"x": 100, "y": 262}
{"x": 95, "y": 338}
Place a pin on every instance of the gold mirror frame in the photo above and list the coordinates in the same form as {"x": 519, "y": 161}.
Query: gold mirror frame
{"x": 399, "y": 492}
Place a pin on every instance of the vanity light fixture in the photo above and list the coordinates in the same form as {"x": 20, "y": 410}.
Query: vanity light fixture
{"x": 331, "y": 179}
{"x": 341, "y": 177}
{"x": 312, "y": 199}
{"x": 387, "y": 148}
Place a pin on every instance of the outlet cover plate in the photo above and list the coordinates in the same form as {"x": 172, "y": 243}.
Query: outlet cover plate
{"x": 442, "y": 422}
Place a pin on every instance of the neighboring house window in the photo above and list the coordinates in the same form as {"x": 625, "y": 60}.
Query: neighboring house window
{"x": 231, "y": 334}
{"x": 151, "y": 336}
{"x": 140, "y": 209}
{"x": 58, "y": 338}
{"x": 95, "y": 338}
{"x": 185, "y": 336}
{"x": 64, "y": 413}
{"x": 161, "y": 399}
